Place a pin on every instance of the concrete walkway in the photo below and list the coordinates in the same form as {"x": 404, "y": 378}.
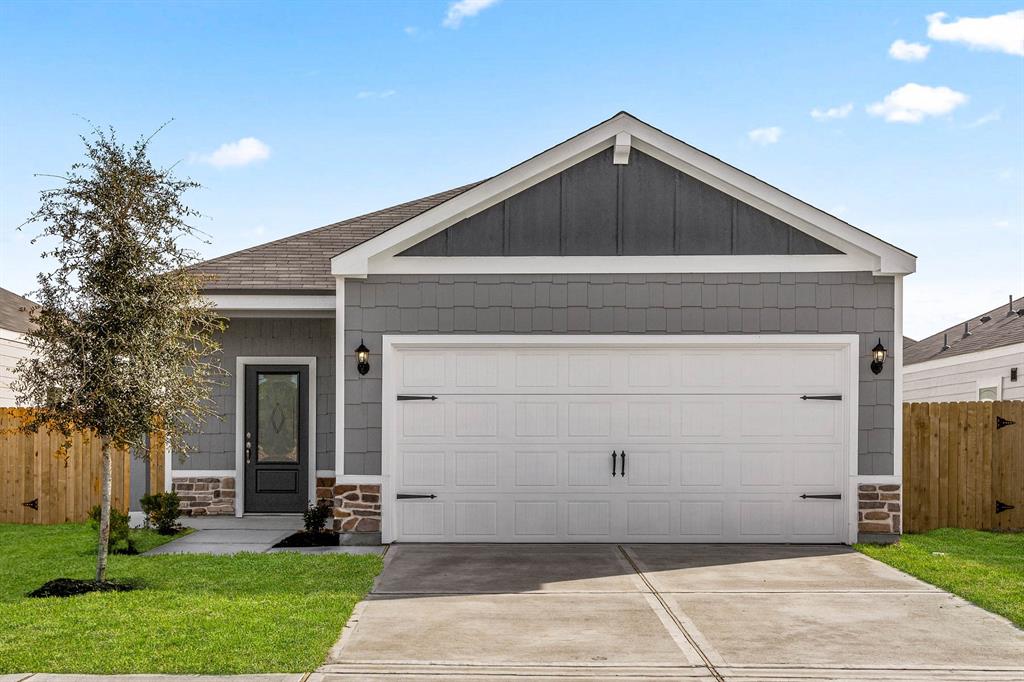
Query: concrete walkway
{"x": 249, "y": 533}
{"x": 689, "y": 612}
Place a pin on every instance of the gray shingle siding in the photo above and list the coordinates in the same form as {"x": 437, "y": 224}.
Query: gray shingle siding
{"x": 214, "y": 446}
{"x": 824, "y": 303}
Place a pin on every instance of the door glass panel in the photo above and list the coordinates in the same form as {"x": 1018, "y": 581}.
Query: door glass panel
{"x": 277, "y": 417}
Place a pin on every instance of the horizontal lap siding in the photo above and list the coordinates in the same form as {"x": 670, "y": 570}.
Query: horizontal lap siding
{"x": 827, "y": 303}
{"x": 214, "y": 446}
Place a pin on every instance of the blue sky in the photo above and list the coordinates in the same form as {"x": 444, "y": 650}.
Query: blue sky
{"x": 353, "y": 107}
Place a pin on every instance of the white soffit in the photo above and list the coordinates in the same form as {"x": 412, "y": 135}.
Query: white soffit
{"x": 622, "y": 132}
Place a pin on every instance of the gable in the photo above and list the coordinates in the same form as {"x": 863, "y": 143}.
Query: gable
{"x": 641, "y": 208}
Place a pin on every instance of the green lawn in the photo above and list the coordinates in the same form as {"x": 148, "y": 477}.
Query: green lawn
{"x": 984, "y": 568}
{"x": 246, "y": 613}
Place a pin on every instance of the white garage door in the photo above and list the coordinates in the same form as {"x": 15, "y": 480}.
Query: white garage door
{"x": 525, "y": 444}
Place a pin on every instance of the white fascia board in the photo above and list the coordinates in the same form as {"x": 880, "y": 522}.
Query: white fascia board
{"x": 870, "y": 252}
{"x": 521, "y": 265}
{"x": 256, "y": 302}
{"x": 964, "y": 358}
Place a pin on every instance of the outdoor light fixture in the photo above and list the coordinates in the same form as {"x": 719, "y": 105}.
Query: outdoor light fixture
{"x": 362, "y": 358}
{"x": 877, "y": 357}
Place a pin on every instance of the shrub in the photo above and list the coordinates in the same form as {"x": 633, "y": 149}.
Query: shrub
{"x": 120, "y": 531}
{"x": 315, "y": 517}
{"x": 162, "y": 512}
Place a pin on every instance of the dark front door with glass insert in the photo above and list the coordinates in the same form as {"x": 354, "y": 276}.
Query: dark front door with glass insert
{"x": 276, "y": 438}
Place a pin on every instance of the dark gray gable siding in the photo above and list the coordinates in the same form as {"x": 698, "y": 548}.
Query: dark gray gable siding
{"x": 643, "y": 208}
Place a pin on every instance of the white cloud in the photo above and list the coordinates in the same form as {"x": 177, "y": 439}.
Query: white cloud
{"x": 242, "y": 153}
{"x": 912, "y": 102}
{"x": 999, "y": 33}
{"x": 411, "y": 30}
{"x": 908, "y": 52}
{"x": 990, "y": 117}
{"x": 1003, "y": 224}
{"x": 765, "y": 135}
{"x": 841, "y": 111}
{"x": 376, "y": 94}
{"x": 457, "y": 11}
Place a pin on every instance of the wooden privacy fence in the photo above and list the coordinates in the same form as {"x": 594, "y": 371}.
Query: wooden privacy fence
{"x": 963, "y": 465}
{"x": 41, "y": 486}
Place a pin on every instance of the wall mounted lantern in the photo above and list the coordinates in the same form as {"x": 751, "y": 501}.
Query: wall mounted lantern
{"x": 878, "y": 357}
{"x": 362, "y": 358}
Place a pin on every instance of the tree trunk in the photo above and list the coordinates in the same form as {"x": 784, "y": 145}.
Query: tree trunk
{"x": 101, "y": 552}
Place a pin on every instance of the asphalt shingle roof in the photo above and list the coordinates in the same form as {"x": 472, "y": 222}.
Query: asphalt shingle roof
{"x": 1001, "y": 330}
{"x": 303, "y": 261}
{"x": 15, "y": 311}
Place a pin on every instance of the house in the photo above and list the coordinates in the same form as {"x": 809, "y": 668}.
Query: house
{"x": 15, "y": 312}
{"x": 622, "y": 338}
{"x": 979, "y": 359}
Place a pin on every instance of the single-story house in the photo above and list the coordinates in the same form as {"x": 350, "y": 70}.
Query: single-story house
{"x": 978, "y": 359}
{"x": 622, "y": 338}
{"x": 15, "y": 313}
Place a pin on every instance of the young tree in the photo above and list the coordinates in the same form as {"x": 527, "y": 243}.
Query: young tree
{"x": 122, "y": 340}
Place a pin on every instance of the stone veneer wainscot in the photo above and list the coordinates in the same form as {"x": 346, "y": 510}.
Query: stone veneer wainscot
{"x": 206, "y": 496}
{"x": 879, "y": 508}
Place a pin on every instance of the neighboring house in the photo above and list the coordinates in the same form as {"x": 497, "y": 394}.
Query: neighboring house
{"x": 980, "y": 359}
{"x": 15, "y": 312}
{"x": 622, "y": 338}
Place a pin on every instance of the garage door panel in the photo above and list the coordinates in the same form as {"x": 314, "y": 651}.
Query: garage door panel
{"x": 719, "y": 447}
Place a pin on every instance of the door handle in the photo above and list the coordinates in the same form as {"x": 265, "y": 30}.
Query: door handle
{"x": 622, "y": 470}
{"x": 248, "y": 447}
{"x": 614, "y": 455}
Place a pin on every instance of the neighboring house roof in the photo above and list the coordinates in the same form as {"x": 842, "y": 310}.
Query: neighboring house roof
{"x": 15, "y": 311}
{"x": 1002, "y": 329}
{"x": 908, "y": 342}
{"x": 303, "y": 261}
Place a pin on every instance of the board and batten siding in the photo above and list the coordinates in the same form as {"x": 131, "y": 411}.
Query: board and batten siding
{"x": 960, "y": 380}
{"x": 12, "y": 349}
{"x": 765, "y": 303}
{"x": 213, "y": 447}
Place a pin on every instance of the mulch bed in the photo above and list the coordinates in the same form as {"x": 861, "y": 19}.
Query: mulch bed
{"x": 304, "y": 539}
{"x": 70, "y": 587}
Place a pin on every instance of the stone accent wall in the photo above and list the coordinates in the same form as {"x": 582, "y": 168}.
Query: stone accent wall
{"x": 879, "y": 508}
{"x": 357, "y": 508}
{"x": 206, "y": 496}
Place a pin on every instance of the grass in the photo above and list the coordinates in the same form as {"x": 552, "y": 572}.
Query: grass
{"x": 247, "y": 613}
{"x": 984, "y": 568}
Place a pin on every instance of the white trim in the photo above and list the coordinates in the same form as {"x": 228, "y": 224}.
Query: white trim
{"x": 340, "y": 358}
{"x": 884, "y": 258}
{"x": 240, "y": 362}
{"x": 168, "y": 470}
{"x": 202, "y": 473}
{"x": 963, "y": 358}
{"x": 360, "y": 480}
{"x": 391, "y": 344}
{"x": 254, "y": 305}
{"x": 620, "y": 156}
{"x": 447, "y": 265}
{"x": 896, "y": 357}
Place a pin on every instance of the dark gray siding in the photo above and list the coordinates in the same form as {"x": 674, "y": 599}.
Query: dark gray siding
{"x": 627, "y": 304}
{"x": 596, "y": 208}
{"x": 214, "y": 446}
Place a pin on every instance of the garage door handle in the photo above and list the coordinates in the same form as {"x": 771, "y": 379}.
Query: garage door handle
{"x": 614, "y": 455}
{"x": 622, "y": 470}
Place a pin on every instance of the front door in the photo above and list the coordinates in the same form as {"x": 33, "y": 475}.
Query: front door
{"x": 276, "y": 438}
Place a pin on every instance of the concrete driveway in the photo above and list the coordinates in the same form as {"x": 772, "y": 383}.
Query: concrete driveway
{"x": 690, "y": 612}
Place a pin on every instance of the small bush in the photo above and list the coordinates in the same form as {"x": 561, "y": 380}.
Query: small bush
{"x": 315, "y": 517}
{"x": 120, "y": 532}
{"x": 162, "y": 511}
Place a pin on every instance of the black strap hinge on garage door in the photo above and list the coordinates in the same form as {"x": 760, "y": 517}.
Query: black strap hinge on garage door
{"x": 417, "y": 397}
{"x": 407, "y": 496}
{"x": 821, "y": 397}
{"x": 831, "y": 496}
